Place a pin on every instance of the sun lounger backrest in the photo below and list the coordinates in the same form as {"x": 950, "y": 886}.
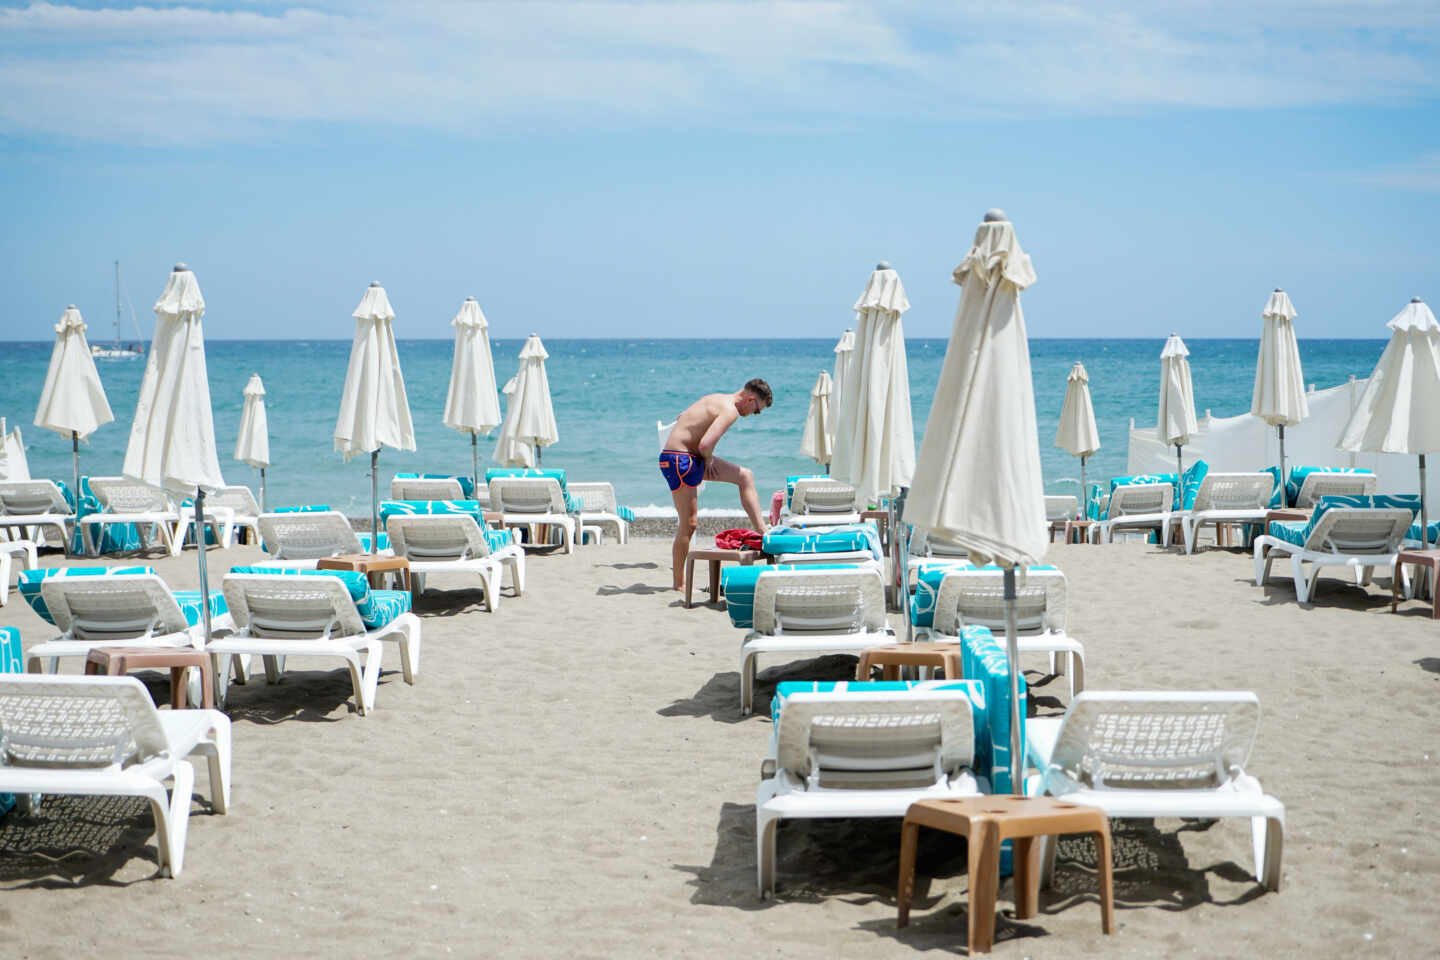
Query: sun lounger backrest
{"x": 1061, "y": 508}
{"x": 1359, "y": 530}
{"x": 443, "y": 536}
{"x": 1317, "y": 485}
{"x": 23, "y": 498}
{"x": 830, "y": 601}
{"x": 118, "y": 495}
{"x": 820, "y": 496}
{"x": 977, "y": 597}
{"x": 113, "y": 608}
{"x": 237, "y": 498}
{"x": 1140, "y": 498}
{"x": 426, "y": 488}
{"x": 876, "y": 740}
{"x": 596, "y": 497}
{"x": 291, "y": 607}
{"x": 527, "y": 495}
{"x": 308, "y": 535}
{"x": 1154, "y": 740}
{"x": 1234, "y": 491}
{"x": 76, "y": 721}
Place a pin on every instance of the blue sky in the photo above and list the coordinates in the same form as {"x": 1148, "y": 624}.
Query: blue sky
{"x": 720, "y": 168}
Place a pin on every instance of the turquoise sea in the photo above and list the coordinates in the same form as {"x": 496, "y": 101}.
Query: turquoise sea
{"x": 608, "y": 395}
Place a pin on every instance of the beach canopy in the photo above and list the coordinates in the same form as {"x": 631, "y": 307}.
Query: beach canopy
{"x": 1077, "y": 434}
{"x": 844, "y": 364}
{"x": 1279, "y": 397}
{"x": 875, "y": 436}
{"x": 977, "y": 480}
{"x": 172, "y": 441}
{"x": 1176, "y": 423}
{"x": 529, "y": 422}
{"x": 374, "y": 411}
{"x": 252, "y": 446}
{"x": 1397, "y": 413}
{"x": 815, "y": 442}
{"x": 72, "y": 402}
{"x": 472, "y": 404}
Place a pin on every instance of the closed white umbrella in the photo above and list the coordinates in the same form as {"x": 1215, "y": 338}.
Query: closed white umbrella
{"x": 1279, "y": 397}
{"x": 374, "y": 411}
{"x": 1397, "y": 412}
{"x": 875, "y": 436}
{"x": 844, "y": 363}
{"x": 13, "y": 464}
{"x": 72, "y": 402}
{"x": 1177, "y": 422}
{"x": 472, "y": 405}
{"x": 978, "y": 480}
{"x": 529, "y": 415}
{"x": 172, "y": 441}
{"x": 252, "y": 446}
{"x": 1077, "y": 434}
{"x": 815, "y": 442}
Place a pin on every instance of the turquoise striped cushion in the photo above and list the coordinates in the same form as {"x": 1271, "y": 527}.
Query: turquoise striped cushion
{"x": 394, "y": 508}
{"x": 1433, "y": 531}
{"x": 1291, "y": 531}
{"x": 467, "y": 483}
{"x": 838, "y": 539}
{"x": 12, "y": 659}
{"x": 1190, "y": 482}
{"x": 496, "y": 539}
{"x": 30, "y": 580}
{"x": 307, "y": 508}
{"x": 738, "y": 582}
{"x": 1277, "y": 490}
{"x": 626, "y": 514}
{"x": 190, "y": 605}
{"x": 381, "y": 607}
{"x": 365, "y": 541}
{"x": 1324, "y": 505}
{"x": 788, "y": 688}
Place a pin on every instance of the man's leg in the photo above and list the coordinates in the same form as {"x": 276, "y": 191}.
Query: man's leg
{"x": 687, "y": 518}
{"x": 727, "y": 472}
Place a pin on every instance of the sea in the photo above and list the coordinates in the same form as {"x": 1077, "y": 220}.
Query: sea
{"x": 610, "y": 393}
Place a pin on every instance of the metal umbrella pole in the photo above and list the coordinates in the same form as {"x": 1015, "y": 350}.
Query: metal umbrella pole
{"x": 1179, "y": 463}
{"x": 1012, "y": 655}
{"x": 1424, "y": 512}
{"x": 474, "y": 460}
{"x": 262, "y": 489}
{"x": 1084, "y": 493}
{"x": 75, "y": 461}
{"x": 1281, "y": 428}
{"x": 375, "y": 500}
{"x": 204, "y": 580}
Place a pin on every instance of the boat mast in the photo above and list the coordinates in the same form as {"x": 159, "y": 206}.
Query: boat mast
{"x": 117, "y": 304}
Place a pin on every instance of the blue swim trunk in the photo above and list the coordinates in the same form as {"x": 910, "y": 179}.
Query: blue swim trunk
{"x": 681, "y": 466}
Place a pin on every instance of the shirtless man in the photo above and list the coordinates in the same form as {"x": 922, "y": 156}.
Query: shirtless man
{"x": 689, "y": 457}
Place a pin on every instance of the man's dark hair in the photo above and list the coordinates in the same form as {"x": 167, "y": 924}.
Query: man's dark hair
{"x": 761, "y": 389}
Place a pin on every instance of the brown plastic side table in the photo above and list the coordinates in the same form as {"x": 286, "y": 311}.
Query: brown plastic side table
{"x": 1078, "y": 531}
{"x": 716, "y": 557}
{"x": 986, "y": 822}
{"x": 890, "y": 659}
{"x": 117, "y": 661}
{"x": 370, "y": 564}
{"x": 1421, "y": 558}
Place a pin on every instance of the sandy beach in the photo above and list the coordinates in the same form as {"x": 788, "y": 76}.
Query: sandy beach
{"x": 570, "y": 777}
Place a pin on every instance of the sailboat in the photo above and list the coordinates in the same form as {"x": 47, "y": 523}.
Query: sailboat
{"x": 118, "y": 350}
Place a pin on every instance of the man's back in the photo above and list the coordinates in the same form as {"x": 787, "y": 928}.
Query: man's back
{"x": 691, "y": 425}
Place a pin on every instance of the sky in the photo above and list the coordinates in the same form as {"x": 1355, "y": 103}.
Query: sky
{"x": 718, "y": 169}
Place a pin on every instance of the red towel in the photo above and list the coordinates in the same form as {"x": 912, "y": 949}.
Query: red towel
{"x": 738, "y": 539}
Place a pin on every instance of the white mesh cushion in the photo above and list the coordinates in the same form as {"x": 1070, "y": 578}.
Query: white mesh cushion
{"x": 436, "y": 537}
{"x": 1140, "y": 498}
{"x": 28, "y": 497}
{"x": 594, "y": 497}
{"x": 291, "y": 607}
{"x": 118, "y": 495}
{"x": 829, "y": 601}
{"x": 978, "y": 597}
{"x": 822, "y": 496}
{"x": 308, "y": 536}
{"x": 527, "y": 495}
{"x": 902, "y": 734}
{"x": 1360, "y": 530}
{"x": 425, "y": 488}
{"x": 237, "y": 498}
{"x": 113, "y": 608}
{"x": 75, "y": 721}
{"x": 1319, "y": 485}
{"x": 1234, "y": 491}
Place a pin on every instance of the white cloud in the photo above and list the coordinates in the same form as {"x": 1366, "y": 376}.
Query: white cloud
{"x": 172, "y": 72}
{"x": 1423, "y": 175}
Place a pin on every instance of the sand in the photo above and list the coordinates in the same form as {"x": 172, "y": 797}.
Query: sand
{"x": 570, "y": 777}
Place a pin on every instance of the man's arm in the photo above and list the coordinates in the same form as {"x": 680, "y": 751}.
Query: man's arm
{"x": 717, "y": 429}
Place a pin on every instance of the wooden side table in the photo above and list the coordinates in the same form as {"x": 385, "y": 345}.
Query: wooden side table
{"x": 890, "y": 659}
{"x": 117, "y": 661}
{"x": 371, "y": 564}
{"x": 716, "y": 557}
{"x": 986, "y": 822}
{"x": 882, "y": 522}
{"x": 1078, "y": 531}
{"x": 1421, "y": 558}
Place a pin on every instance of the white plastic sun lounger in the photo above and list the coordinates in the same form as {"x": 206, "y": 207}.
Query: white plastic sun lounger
{"x": 102, "y": 736}
{"x": 1362, "y": 538}
{"x": 1226, "y": 498}
{"x": 810, "y": 612}
{"x": 1137, "y": 506}
{"x": 125, "y": 501}
{"x": 229, "y": 509}
{"x": 11, "y": 552}
{"x": 309, "y": 615}
{"x": 819, "y": 501}
{"x": 1319, "y": 484}
{"x": 32, "y": 505}
{"x": 599, "y": 508}
{"x": 300, "y": 539}
{"x": 454, "y": 543}
{"x": 527, "y": 501}
{"x": 862, "y": 754}
{"x": 977, "y": 596}
{"x": 1159, "y": 754}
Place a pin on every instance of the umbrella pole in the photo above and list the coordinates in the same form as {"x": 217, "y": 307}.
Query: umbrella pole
{"x": 1179, "y": 463}
{"x": 75, "y": 461}
{"x": 1424, "y": 513}
{"x": 1084, "y": 493}
{"x": 1012, "y": 655}
{"x": 474, "y": 461}
{"x": 262, "y": 489}
{"x": 1281, "y": 428}
{"x": 375, "y": 500}
{"x": 200, "y": 545}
